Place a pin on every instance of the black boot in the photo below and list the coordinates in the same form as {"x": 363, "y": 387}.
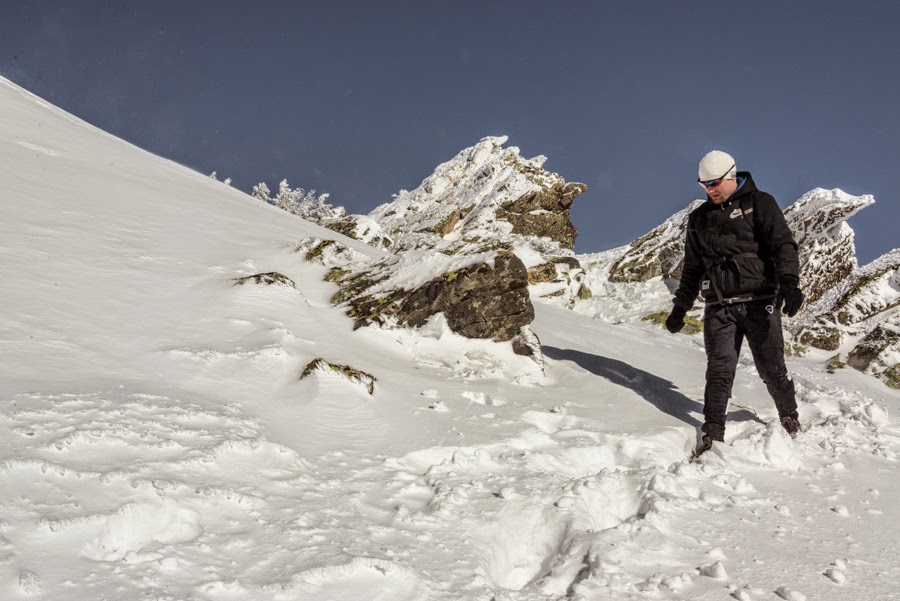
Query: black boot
{"x": 791, "y": 424}
{"x": 704, "y": 446}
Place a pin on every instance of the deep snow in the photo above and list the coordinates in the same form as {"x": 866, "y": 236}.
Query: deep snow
{"x": 158, "y": 442}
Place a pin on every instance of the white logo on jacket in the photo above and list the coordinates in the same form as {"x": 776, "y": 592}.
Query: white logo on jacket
{"x": 736, "y": 213}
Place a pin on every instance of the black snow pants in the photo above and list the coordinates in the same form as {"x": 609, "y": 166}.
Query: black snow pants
{"x": 724, "y": 329}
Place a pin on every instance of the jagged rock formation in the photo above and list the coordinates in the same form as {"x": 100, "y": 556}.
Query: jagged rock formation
{"x": 455, "y": 240}
{"x": 659, "y": 253}
{"x": 866, "y": 307}
{"x": 482, "y": 296}
{"x": 845, "y": 305}
{"x": 827, "y": 254}
{"x": 486, "y": 193}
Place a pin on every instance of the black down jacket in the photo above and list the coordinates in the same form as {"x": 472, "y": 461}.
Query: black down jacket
{"x": 738, "y": 250}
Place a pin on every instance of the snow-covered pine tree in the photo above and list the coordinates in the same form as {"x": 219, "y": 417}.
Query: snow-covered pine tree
{"x": 285, "y": 199}
{"x": 304, "y": 203}
{"x": 315, "y": 208}
{"x": 261, "y": 192}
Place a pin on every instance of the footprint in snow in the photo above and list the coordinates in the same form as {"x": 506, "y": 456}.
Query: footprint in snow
{"x": 714, "y": 570}
{"x": 740, "y": 594}
{"x": 836, "y": 572}
{"x": 789, "y": 594}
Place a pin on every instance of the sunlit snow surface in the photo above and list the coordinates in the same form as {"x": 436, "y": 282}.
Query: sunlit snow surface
{"x": 158, "y": 442}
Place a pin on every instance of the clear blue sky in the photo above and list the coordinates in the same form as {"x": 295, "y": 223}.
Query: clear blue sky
{"x": 362, "y": 99}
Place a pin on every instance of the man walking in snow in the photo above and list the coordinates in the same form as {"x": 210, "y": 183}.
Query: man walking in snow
{"x": 740, "y": 255}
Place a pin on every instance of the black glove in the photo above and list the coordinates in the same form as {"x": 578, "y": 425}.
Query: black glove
{"x": 675, "y": 320}
{"x": 790, "y": 294}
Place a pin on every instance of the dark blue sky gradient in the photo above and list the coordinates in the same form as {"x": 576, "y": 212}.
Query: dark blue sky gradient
{"x": 362, "y": 99}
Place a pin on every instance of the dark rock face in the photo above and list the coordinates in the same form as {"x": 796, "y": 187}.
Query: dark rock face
{"x": 483, "y": 301}
{"x": 872, "y": 345}
{"x": 527, "y": 344}
{"x": 825, "y": 338}
{"x": 545, "y": 213}
{"x": 659, "y": 252}
{"x": 272, "y": 278}
{"x": 545, "y": 272}
{"x": 570, "y": 262}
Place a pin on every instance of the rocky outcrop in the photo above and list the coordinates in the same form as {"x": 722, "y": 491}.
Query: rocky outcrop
{"x": 329, "y": 253}
{"x": 352, "y": 375}
{"x": 659, "y": 253}
{"x": 545, "y": 272}
{"x": 482, "y": 295}
{"x": 360, "y": 227}
{"x": 825, "y": 241}
{"x": 454, "y": 240}
{"x": 272, "y": 278}
{"x": 882, "y": 338}
{"x": 486, "y": 192}
{"x": 869, "y": 296}
{"x": 545, "y": 213}
{"x": 488, "y": 300}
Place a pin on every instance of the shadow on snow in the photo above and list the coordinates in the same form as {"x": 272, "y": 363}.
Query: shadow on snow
{"x": 659, "y": 392}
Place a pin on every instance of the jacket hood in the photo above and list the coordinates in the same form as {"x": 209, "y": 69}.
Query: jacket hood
{"x": 744, "y": 188}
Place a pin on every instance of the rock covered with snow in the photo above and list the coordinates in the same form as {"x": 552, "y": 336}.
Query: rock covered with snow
{"x": 847, "y": 305}
{"x": 863, "y": 310}
{"x": 481, "y": 295}
{"x": 458, "y": 241}
{"x": 827, "y": 253}
{"x": 868, "y": 294}
{"x": 659, "y": 253}
{"x": 488, "y": 191}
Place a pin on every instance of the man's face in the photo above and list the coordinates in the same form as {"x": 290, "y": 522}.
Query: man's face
{"x": 720, "y": 190}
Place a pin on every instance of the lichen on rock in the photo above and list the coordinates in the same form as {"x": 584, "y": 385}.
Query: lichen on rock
{"x": 481, "y": 296}
{"x": 351, "y": 374}
{"x": 658, "y": 253}
{"x": 272, "y": 278}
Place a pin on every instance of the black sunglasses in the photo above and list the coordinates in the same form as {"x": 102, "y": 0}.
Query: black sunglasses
{"x": 712, "y": 183}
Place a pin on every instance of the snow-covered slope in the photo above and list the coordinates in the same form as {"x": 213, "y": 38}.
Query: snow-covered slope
{"x": 184, "y": 415}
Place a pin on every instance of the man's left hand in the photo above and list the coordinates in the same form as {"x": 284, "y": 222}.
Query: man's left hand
{"x": 791, "y": 295}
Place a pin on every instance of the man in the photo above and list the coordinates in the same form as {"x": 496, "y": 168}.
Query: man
{"x": 741, "y": 257}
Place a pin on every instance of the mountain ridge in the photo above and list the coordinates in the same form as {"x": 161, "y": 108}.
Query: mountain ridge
{"x": 464, "y": 204}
